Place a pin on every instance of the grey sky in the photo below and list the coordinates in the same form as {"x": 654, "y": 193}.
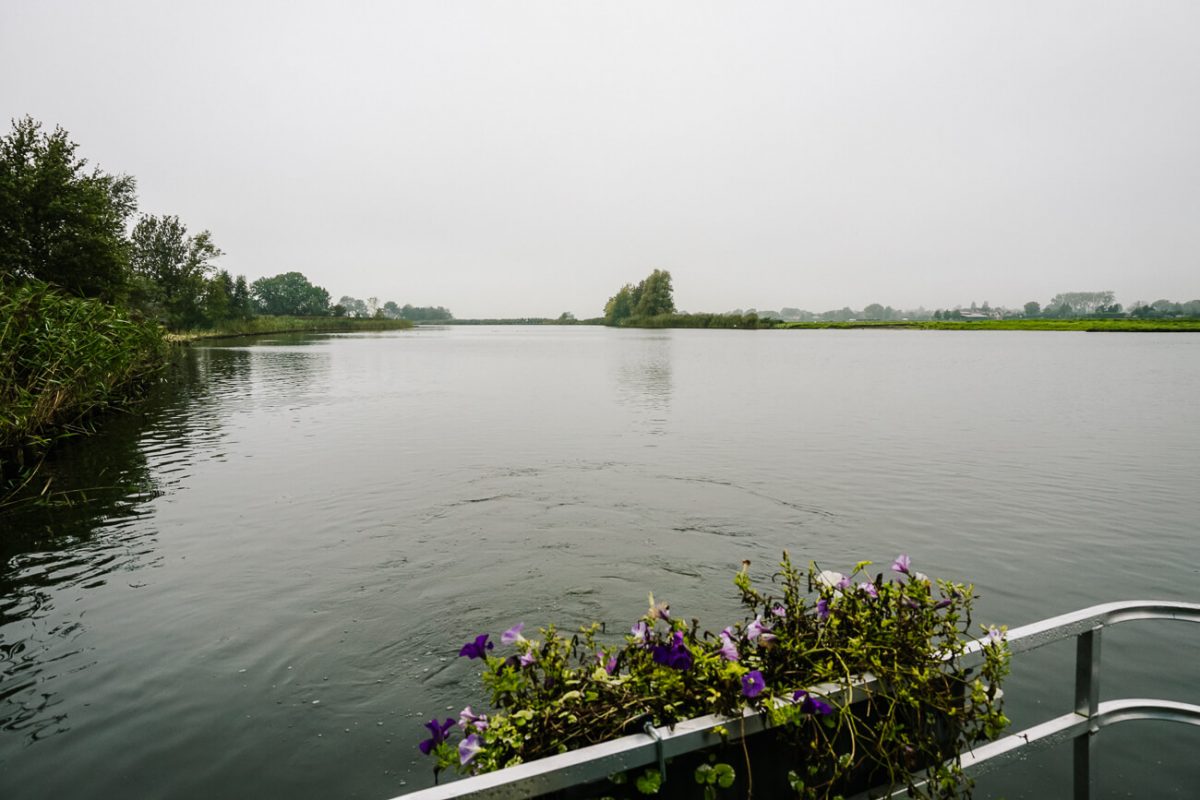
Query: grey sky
{"x": 527, "y": 158}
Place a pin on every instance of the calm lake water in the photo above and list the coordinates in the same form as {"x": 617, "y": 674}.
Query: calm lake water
{"x": 263, "y": 584}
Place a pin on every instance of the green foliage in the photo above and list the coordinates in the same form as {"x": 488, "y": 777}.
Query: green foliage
{"x": 649, "y": 782}
{"x": 713, "y": 777}
{"x": 425, "y": 313}
{"x": 1128, "y": 325}
{"x": 809, "y": 629}
{"x": 171, "y": 269}
{"x": 60, "y": 222}
{"x": 62, "y": 359}
{"x": 652, "y": 297}
{"x": 1079, "y": 304}
{"x": 748, "y": 321}
{"x": 289, "y": 294}
{"x": 257, "y": 326}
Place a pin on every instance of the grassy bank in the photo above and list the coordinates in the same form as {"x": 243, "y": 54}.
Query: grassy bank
{"x": 62, "y": 359}
{"x": 677, "y": 320}
{"x": 258, "y": 326}
{"x": 1129, "y": 325}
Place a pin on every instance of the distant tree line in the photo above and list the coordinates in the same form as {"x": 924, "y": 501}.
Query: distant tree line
{"x": 66, "y": 224}
{"x": 1065, "y": 305}
{"x": 370, "y": 308}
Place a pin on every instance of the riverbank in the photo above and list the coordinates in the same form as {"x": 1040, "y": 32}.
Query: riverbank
{"x": 1089, "y": 325}
{"x": 261, "y": 326}
{"x": 64, "y": 359}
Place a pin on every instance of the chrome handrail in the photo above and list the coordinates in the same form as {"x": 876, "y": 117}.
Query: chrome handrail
{"x": 1090, "y": 715}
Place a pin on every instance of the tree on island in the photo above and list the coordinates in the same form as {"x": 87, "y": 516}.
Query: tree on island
{"x": 651, "y": 297}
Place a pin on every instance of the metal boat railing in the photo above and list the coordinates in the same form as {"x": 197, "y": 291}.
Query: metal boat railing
{"x": 657, "y": 745}
{"x": 1090, "y": 715}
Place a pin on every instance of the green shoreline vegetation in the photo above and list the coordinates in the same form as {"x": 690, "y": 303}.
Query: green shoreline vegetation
{"x": 650, "y": 304}
{"x": 263, "y": 326}
{"x": 90, "y": 304}
{"x": 1128, "y": 325}
{"x": 65, "y": 360}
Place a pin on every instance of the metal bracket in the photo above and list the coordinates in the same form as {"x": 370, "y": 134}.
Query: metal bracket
{"x": 652, "y": 732}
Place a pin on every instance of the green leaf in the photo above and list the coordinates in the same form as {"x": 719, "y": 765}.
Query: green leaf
{"x": 649, "y": 782}
{"x": 724, "y": 775}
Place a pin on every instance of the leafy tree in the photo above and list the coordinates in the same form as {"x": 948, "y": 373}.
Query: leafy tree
{"x": 218, "y": 297}
{"x": 873, "y": 311}
{"x": 651, "y": 297}
{"x": 170, "y": 269}
{"x": 391, "y": 310}
{"x": 354, "y": 307}
{"x": 1080, "y": 304}
{"x": 425, "y": 313}
{"x": 1032, "y": 308}
{"x": 620, "y": 306}
{"x": 241, "y": 301}
{"x": 290, "y": 293}
{"x": 60, "y": 222}
{"x": 654, "y": 295}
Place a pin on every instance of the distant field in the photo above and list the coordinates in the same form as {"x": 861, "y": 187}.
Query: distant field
{"x": 1132, "y": 325}
{"x": 264, "y": 325}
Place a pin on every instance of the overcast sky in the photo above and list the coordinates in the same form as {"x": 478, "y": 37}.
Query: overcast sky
{"x": 527, "y": 158}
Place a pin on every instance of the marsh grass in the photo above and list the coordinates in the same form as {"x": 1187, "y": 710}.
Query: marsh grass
{"x": 259, "y": 326}
{"x": 62, "y": 360}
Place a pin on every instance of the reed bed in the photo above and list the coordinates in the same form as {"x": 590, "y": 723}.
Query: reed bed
{"x": 260, "y": 326}
{"x": 62, "y": 359}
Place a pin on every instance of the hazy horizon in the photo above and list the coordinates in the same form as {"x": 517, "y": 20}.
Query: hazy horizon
{"x": 510, "y": 160}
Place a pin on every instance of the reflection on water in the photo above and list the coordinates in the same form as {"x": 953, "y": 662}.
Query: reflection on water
{"x": 99, "y": 530}
{"x": 643, "y": 379}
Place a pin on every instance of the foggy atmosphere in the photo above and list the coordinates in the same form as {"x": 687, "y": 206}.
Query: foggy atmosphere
{"x": 599, "y": 400}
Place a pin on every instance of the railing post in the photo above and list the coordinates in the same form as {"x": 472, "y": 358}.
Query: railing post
{"x": 1087, "y": 704}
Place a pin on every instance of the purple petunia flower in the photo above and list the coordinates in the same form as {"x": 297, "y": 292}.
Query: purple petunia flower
{"x": 753, "y": 683}
{"x": 822, "y": 609}
{"x": 757, "y": 628}
{"x": 908, "y": 602}
{"x": 513, "y": 634}
{"x": 468, "y": 748}
{"x": 640, "y": 631}
{"x": 994, "y": 635}
{"x": 528, "y": 657}
{"x": 811, "y": 705}
{"x": 902, "y": 564}
{"x": 439, "y": 731}
{"x": 870, "y": 589}
{"x": 610, "y": 666}
{"x": 477, "y": 648}
{"x": 675, "y": 655}
{"x": 468, "y": 718}
{"x": 728, "y": 648}
{"x": 942, "y": 604}
{"x": 779, "y": 611}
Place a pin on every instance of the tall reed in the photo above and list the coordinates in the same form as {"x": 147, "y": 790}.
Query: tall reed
{"x": 62, "y": 359}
